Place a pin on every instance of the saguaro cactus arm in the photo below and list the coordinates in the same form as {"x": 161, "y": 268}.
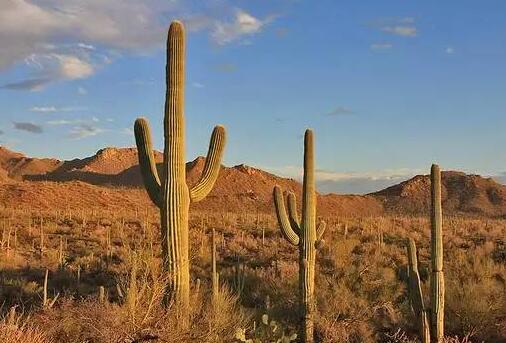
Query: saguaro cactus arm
{"x": 415, "y": 293}
{"x": 283, "y": 220}
{"x": 212, "y": 166}
{"x": 147, "y": 161}
{"x": 415, "y": 288}
{"x": 292, "y": 212}
{"x": 320, "y": 230}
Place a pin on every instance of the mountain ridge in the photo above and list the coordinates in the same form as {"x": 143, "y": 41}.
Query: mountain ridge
{"x": 246, "y": 188}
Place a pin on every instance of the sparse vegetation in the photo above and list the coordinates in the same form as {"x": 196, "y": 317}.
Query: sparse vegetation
{"x": 113, "y": 272}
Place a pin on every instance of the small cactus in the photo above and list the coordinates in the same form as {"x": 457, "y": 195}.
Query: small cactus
{"x": 268, "y": 331}
{"x": 303, "y": 234}
{"x": 415, "y": 293}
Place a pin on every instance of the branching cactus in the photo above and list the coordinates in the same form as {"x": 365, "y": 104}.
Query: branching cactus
{"x": 437, "y": 286}
{"x": 303, "y": 234}
{"x": 437, "y": 277}
{"x": 171, "y": 193}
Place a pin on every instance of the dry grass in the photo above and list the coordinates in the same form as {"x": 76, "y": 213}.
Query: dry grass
{"x": 360, "y": 282}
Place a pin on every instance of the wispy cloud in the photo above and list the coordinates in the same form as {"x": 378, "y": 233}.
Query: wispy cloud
{"x": 28, "y": 127}
{"x": 197, "y": 85}
{"x": 381, "y": 46}
{"x": 54, "y": 109}
{"x": 406, "y": 31}
{"x": 33, "y": 85}
{"x": 350, "y": 182}
{"x": 85, "y": 130}
{"x": 243, "y": 24}
{"x": 340, "y": 110}
{"x": 404, "y": 27}
{"x": 450, "y": 50}
{"x": 82, "y": 91}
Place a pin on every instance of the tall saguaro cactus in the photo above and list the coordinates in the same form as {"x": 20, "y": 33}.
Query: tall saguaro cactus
{"x": 437, "y": 290}
{"x": 172, "y": 195}
{"x": 303, "y": 234}
{"x": 437, "y": 286}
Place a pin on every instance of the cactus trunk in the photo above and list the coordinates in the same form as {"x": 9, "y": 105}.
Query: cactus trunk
{"x": 304, "y": 235}
{"x": 172, "y": 195}
{"x": 308, "y": 239}
{"x": 437, "y": 277}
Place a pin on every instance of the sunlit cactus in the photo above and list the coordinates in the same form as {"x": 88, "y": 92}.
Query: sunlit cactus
{"x": 437, "y": 286}
{"x": 171, "y": 193}
{"x": 415, "y": 293}
{"x": 437, "y": 289}
{"x": 303, "y": 234}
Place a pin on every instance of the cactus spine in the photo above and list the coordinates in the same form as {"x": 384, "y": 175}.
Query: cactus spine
{"x": 172, "y": 195}
{"x": 415, "y": 293}
{"x": 437, "y": 288}
{"x": 303, "y": 234}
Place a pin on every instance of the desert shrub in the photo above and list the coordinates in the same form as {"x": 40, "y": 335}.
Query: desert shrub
{"x": 16, "y": 328}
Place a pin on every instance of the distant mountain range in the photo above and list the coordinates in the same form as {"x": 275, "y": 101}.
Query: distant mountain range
{"x": 115, "y": 172}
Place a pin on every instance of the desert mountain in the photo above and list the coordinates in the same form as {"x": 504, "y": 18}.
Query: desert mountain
{"x": 239, "y": 188}
{"x": 461, "y": 193}
{"x": 16, "y": 166}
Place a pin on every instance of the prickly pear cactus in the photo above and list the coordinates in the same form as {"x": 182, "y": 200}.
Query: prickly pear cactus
{"x": 268, "y": 331}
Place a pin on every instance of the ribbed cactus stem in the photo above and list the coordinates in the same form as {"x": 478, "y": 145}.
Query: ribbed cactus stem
{"x": 308, "y": 238}
{"x": 304, "y": 234}
{"x": 437, "y": 277}
{"x": 215, "y": 280}
{"x": 415, "y": 293}
{"x": 172, "y": 194}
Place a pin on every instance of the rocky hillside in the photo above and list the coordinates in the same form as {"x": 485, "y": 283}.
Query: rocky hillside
{"x": 238, "y": 188}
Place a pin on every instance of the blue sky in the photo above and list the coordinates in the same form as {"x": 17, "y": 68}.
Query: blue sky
{"x": 388, "y": 86}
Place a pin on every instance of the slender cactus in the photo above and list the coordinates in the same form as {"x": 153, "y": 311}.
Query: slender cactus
{"x": 215, "y": 277}
{"x": 415, "y": 293}
{"x": 436, "y": 330}
{"x": 171, "y": 194}
{"x": 437, "y": 288}
{"x": 303, "y": 234}
{"x": 45, "y": 298}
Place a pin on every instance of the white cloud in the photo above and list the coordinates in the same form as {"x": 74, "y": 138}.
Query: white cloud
{"x": 86, "y": 46}
{"x": 197, "y": 85}
{"x": 26, "y": 27}
{"x": 52, "y": 67}
{"x": 82, "y": 91}
{"x": 381, "y": 46}
{"x": 71, "y": 39}
{"x": 350, "y": 182}
{"x": 84, "y": 131}
{"x": 72, "y": 67}
{"x": 406, "y": 31}
{"x": 405, "y": 26}
{"x": 450, "y": 50}
{"x": 53, "y": 109}
{"x": 244, "y": 24}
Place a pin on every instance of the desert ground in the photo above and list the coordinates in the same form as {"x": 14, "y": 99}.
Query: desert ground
{"x": 80, "y": 257}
